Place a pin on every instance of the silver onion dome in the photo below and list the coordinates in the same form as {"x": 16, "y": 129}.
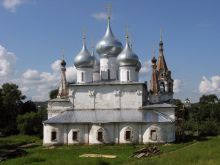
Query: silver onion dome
{"x": 96, "y": 61}
{"x": 84, "y": 58}
{"x": 128, "y": 58}
{"x": 109, "y": 45}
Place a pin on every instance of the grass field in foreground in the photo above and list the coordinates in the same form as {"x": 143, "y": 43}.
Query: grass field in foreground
{"x": 197, "y": 152}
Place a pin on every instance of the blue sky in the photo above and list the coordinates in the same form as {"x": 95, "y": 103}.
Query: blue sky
{"x": 36, "y": 30}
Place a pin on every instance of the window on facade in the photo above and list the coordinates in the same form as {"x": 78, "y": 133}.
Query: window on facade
{"x": 153, "y": 135}
{"x": 100, "y": 135}
{"x": 53, "y": 136}
{"x": 170, "y": 87}
{"x": 128, "y": 135}
{"x": 128, "y": 75}
{"x": 109, "y": 75}
{"x": 82, "y": 76}
{"x": 162, "y": 87}
{"x": 75, "y": 135}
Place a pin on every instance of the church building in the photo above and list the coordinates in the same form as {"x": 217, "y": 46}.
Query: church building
{"x": 108, "y": 103}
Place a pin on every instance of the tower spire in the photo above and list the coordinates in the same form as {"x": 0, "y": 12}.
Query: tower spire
{"x": 154, "y": 77}
{"x": 63, "y": 87}
{"x": 161, "y": 64}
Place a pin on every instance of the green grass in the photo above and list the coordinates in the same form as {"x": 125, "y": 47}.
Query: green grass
{"x": 196, "y": 152}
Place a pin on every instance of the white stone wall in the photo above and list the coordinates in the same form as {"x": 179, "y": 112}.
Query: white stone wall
{"x": 159, "y": 115}
{"x": 134, "y": 132}
{"x": 112, "y": 133}
{"x": 59, "y": 128}
{"x": 87, "y": 75}
{"x": 165, "y": 132}
{"x": 56, "y": 107}
{"x": 133, "y": 74}
{"x": 111, "y": 96}
{"x": 108, "y": 63}
{"x": 96, "y": 76}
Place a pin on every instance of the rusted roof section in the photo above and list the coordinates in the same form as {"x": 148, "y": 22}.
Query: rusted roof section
{"x": 161, "y": 63}
{"x": 154, "y": 78}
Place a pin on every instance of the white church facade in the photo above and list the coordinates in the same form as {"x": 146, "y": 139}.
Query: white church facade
{"x": 107, "y": 103}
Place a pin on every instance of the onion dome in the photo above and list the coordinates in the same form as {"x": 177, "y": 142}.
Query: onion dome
{"x": 154, "y": 60}
{"x": 109, "y": 45}
{"x": 84, "y": 58}
{"x": 63, "y": 63}
{"x": 96, "y": 61}
{"x": 128, "y": 58}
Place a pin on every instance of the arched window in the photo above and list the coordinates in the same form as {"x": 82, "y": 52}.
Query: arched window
{"x": 82, "y": 76}
{"x": 153, "y": 135}
{"x": 128, "y": 76}
{"x": 162, "y": 87}
{"x": 128, "y": 134}
{"x": 53, "y": 136}
{"x": 75, "y": 135}
{"x": 100, "y": 135}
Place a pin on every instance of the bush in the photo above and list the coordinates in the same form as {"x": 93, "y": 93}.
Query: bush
{"x": 30, "y": 123}
{"x": 208, "y": 128}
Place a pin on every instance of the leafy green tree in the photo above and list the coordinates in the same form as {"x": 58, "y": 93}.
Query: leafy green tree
{"x": 28, "y": 106}
{"x": 208, "y": 99}
{"x": 11, "y": 99}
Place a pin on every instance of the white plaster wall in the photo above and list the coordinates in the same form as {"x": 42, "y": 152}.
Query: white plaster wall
{"x": 123, "y": 74}
{"x": 134, "y": 133}
{"x": 131, "y": 97}
{"x": 88, "y": 75}
{"x": 159, "y": 115}
{"x": 111, "y": 64}
{"x": 96, "y": 76}
{"x": 55, "y": 108}
{"x": 107, "y": 96}
{"x": 82, "y": 131}
{"x": 113, "y": 133}
{"x": 84, "y": 98}
{"x": 47, "y": 129}
{"x": 165, "y": 132}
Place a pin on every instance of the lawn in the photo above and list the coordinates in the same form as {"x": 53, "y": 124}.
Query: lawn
{"x": 205, "y": 152}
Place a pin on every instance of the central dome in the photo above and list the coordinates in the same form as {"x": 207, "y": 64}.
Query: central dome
{"x": 109, "y": 46}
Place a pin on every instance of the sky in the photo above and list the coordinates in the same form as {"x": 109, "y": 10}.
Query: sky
{"x": 33, "y": 32}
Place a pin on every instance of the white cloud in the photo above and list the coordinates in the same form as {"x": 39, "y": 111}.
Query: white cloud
{"x": 7, "y": 61}
{"x": 177, "y": 84}
{"x": 37, "y": 85}
{"x": 211, "y": 85}
{"x": 11, "y": 5}
{"x": 145, "y": 68}
{"x": 100, "y": 16}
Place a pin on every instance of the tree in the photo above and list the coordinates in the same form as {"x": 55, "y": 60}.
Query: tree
{"x": 53, "y": 94}
{"x": 11, "y": 99}
{"x": 28, "y": 106}
{"x": 30, "y": 123}
{"x": 208, "y": 99}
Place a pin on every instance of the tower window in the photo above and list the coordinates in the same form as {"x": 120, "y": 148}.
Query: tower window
{"x": 109, "y": 77}
{"x": 128, "y": 75}
{"x": 100, "y": 135}
{"x": 75, "y": 135}
{"x": 162, "y": 87}
{"x": 82, "y": 76}
{"x": 153, "y": 135}
{"x": 53, "y": 136}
